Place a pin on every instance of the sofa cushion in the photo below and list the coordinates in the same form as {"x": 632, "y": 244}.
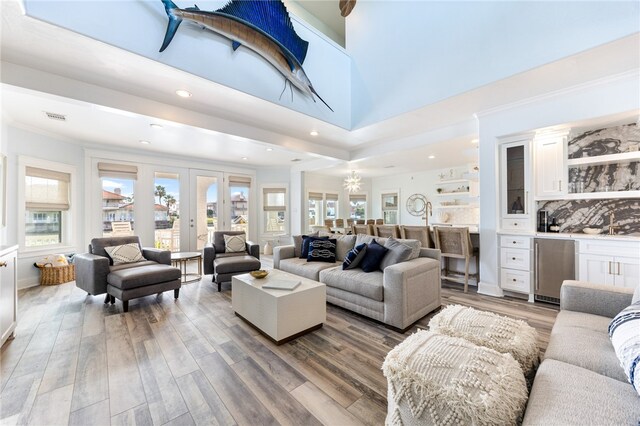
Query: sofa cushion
{"x": 354, "y": 257}
{"x": 624, "y": 332}
{"x": 234, "y": 243}
{"x": 355, "y": 281}
{"x": 373, "y": 256}
{"x": 223, "y": 255}
{"x": 114, "y": 268}
{"x": 97, "y": 245}
{"x": 582, "y": 340}
{"x": 125, "y": 253}
{"x": 344, "y": 243}
{"x": 235, "y": 264}
{"x": 321, "y": 250}
{"x": 364, "y": 238}
{"x": 398, "y": 252}
{"x": 310, "y": 270}
{"x": 142, "y": 276}
{"x": 564, "y": 394}
{"x": 636, "y": 294}
{"x": 306, "y": 241}
{"x": 297, "y": 243}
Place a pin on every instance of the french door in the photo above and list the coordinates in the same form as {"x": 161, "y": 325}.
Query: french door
{"x": 206, "y": 211}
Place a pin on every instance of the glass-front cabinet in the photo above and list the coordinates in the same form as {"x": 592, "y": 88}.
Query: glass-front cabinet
{"x": 515, "y": 177}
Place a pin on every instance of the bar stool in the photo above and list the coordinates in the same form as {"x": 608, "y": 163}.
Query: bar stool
{"x": 420, "y": 233}
{"x": 379, "y": 222}
{"x": 359, "y": 221}
{"x": 455, "y": 243}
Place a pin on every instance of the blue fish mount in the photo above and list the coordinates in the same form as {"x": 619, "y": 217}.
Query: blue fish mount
{"x": 263, "y": 26}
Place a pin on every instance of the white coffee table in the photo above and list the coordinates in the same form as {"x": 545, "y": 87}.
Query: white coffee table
{"x": 281, "y": 315}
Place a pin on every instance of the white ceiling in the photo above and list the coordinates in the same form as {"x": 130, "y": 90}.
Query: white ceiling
{"x": 328, "y": 12}
{"x": 69, "y": 72}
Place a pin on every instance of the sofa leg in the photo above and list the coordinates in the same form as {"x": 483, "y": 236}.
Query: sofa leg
{"x": 125, "y": 305}
{"x": 107, "y": 298}
{"x": 219, "y": 287}
{"x": 176, "y": 293}
{"x": 113, "y": 300}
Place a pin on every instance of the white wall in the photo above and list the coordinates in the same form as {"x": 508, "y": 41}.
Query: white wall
{"x": 614, "y": 95}
{"x": 139, "y": 27}
{"x": 436, "y": 49}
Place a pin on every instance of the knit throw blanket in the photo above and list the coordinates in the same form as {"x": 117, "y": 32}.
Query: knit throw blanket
{"x": 503, "y": 334}
{"x": 434, "y": 379}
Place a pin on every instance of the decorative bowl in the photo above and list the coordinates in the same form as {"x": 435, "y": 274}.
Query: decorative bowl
{"x": 592, "y": 231}
{"x": 261, "y": 273}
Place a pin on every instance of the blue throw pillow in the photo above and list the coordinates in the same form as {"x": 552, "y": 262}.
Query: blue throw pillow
{"x": 624, "y": 332}
{"x": 373, "y": 256}
{"x": 306, "y": 240}
{"x": 322, "y": 250}
{"x": 354, "y": 257}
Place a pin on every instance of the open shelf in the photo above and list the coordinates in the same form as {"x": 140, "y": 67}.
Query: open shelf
{"x": 604, "y": 159}
{"x": 449, "y": 181}
{"x": 459, "y": 206}
{"x": 453, "y": 194}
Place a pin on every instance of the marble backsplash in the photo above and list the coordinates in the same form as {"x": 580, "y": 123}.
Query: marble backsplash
{"x": 575, "y": 215}
{"x": 610, "y": 140}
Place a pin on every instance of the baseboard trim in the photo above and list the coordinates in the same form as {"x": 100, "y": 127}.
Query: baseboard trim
{"x": 490, "y": 289}
{"x": 28, "y": 283}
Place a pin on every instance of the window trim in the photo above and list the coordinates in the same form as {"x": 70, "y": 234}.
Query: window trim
{"x": 70, "y": 232}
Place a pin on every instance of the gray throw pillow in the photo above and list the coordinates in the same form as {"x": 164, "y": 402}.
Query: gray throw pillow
{"x": 297, "y": 243}
{"x": 344, "y": 243}
{"x": 367, "y": 239}
{"x": 398, "y": 252}
{"x": 415, "y": 247}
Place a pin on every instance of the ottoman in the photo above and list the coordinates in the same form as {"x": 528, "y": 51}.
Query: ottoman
{"x": 434, "y": 379}
{"x": 131, "y": 283}
{"x": 226, "y": 267}
{"x": 503, "y": 334}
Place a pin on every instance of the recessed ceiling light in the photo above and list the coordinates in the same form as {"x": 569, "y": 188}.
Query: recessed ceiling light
{"x": 313, "y": 133}
{"x": 245, "y": 158}
{"x": 431, "y": 157}
{"x": 474, "y": 140}
{"x": 183, "y": 93}
{"x": 269, "y": 149}
{"x": 155, "y": 126}
{"x": 145, "y": 142}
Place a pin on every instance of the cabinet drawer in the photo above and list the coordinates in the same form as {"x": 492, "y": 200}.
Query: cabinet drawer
{"x": 515, "y": 259}
{"x": 609, "y": 248}
{"x": 513, "y": 241}
{"x": 513, "y": 280}
{"x": 515, "y": 224}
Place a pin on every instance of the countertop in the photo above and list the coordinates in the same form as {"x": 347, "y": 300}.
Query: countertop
{"x": 7, "y": 249}
{"x": 576, "y": 236}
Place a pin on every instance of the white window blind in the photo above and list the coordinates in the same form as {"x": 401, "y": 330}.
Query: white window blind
{"x": 242, "y": 181}
{"x": 274, "y": 199}
{"x": 390, "y": 201}
{"x": 357, "y": 197}
{"x": 120, "y": 171}
{"x": 331, "y": 197}
{"x": 46, "y": 189}
{"x": 315, "y": 196}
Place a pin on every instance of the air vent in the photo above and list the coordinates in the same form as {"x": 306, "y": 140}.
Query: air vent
{"x": 541, "y": 298}
{"x": 296, "y": 160}
{"x": 55, "y": 116}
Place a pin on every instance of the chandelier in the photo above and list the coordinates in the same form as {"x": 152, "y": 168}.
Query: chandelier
{"x": 352, "y": 182}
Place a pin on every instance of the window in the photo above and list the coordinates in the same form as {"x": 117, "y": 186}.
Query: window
{"x": 239, "y": 187}
{"x": 118, "y": 204}
{"x": 315, "y": 203}
{"x": 47, "y": 199}
{"x": 331, "y": 206}
{"x": 166, "y": 211}
{"x": 357, "y": 206}
{"x": 390, "y": 208}
{"x": 274, "y": 206}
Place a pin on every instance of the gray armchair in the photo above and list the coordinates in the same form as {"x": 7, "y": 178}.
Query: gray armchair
{"x": 223, "y": 265}
{"x": 96, "y": 275}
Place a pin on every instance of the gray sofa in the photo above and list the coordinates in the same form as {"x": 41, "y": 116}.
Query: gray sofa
{"x": 580, "y": 380}
{"x": 223, "y": 265}
{"x": 96, "y": 275}
{"x": 398, "y": 297}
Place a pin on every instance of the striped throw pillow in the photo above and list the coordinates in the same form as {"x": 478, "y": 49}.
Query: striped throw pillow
{"x": 354, "y": 257}
{"x": 624, "y": 332}
{"x": 234, "y": 243}
{"x": 126, "y": 253}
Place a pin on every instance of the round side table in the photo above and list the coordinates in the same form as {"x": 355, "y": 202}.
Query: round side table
{"x": 180, "y": 260}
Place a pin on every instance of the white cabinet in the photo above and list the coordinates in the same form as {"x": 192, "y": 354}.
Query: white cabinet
{"x": 614, "y": 263}
{"x": 8, "y": 291}
{"x": 515, "y": 263}
{"x": 515, "y": 176}
{"x": 550, "y": 158}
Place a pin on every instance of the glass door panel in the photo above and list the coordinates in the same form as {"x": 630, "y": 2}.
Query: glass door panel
{"x": 206, "y": 196}
{"x": 515, "y": 184}
{"x": 166, "y": 211}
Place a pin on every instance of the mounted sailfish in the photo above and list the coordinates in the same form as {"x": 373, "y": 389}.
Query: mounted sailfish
{"x": 261, "y": 25}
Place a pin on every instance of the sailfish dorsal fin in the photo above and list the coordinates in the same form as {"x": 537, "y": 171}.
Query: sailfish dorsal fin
{"x": 272, "y": 17}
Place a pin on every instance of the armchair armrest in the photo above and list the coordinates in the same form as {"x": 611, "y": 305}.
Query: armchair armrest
{"x": 596, "y": 299}
{"x": 282, "y": 252}
{"x": 157, "y": 255}
{"x": 253, "y": 249}
{"x": 411, "y": 290}
{"x": 208, "y": 256}
{"x": 431, "y": 253}
{"x": 91, "y": 273}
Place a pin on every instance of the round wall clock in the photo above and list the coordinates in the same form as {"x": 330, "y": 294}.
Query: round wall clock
{"x": 417, "y": 205}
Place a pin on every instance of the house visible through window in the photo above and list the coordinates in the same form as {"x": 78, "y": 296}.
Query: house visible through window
{"x": 118, "y": 203}
{"x": 166, "y": 210}
{"x": 315, "y": 207}
{"x": 239, "y": 187}
{"x": 331, "y": 206}
{"x": 274, "y": 200}
{"x": 357, "y": 206}
{"x": 46, "y": 199}
{"x": 390, "y": 208}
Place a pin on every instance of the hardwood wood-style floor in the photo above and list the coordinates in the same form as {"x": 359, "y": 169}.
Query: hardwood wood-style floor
{"x": 78, "y": 361}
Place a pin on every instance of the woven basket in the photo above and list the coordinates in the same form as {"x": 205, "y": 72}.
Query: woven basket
{"x": 52, "y": 275}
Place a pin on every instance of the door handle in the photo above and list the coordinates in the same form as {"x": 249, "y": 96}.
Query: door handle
{"x": 610, "y": 273}
{"x": 536, "y": 264}
{"x": 618, "y": 263}
{"x": 560, "y": 185}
